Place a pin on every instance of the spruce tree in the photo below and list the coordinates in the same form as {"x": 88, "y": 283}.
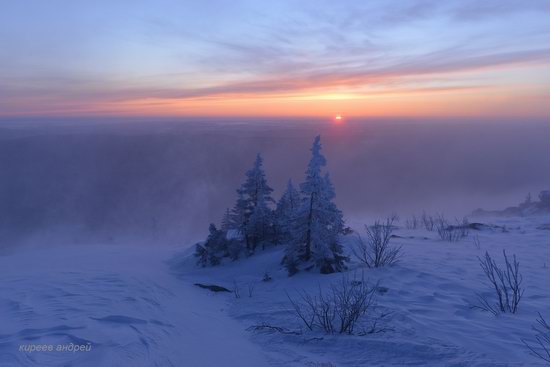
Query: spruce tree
{"x": 284, "y": 213}
{"x": 260, "y": 225}
{"x": 251, "y": 214}
{"x": 226, "y": 221}
{"x": 238, "y": 217}
{"x": 317, "y": 222}
{"x": 213, "y": 249}
{"x": 255, "y": 187}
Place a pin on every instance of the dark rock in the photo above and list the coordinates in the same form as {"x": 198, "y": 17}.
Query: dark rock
{"x": 213, "y": 287}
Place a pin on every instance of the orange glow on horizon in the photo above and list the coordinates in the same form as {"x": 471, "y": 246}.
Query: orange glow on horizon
{"x": 481, "y": 101}
{"x": 464, "y": 103}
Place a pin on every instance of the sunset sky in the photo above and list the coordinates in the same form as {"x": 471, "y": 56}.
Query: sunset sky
{"x": 275, "y": 58}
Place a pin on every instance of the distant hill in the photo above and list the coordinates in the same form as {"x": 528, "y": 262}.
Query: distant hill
{"x": 528, "y": 207}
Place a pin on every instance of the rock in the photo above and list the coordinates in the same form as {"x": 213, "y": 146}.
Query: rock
{"x": 483, "y": 226}
{"x": 213, "y": 287}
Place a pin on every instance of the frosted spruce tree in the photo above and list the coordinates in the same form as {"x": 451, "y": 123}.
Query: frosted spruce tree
{"x": 260, "y": 225}
{"x": 226, "y": 220}
{"x": 284, "y": 213}
{"x": 238, "y": 214}
{"x": 317, "y": 223}
{"x": 214, "y": 248}
{"x": 252, "y": 215}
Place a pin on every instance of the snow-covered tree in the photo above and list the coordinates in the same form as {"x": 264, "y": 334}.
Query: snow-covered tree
{"x": 251, "y": 214}
{"x": 260, "y": 225}
{"x": 213, "y": 249}
{"x": 226, "y": 220}
{"x": 317, "y": 222}
{"x": 255, "y": 187}
{"x": 239, "y": 213}
{"x": 544, "y": 197}
{"x": 217, "y": 246}
{"x": 284, "y": 213}
{"x": 248, "y": 224}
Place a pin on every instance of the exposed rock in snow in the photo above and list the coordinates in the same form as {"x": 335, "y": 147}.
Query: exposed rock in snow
{"x": 212, "y": 287}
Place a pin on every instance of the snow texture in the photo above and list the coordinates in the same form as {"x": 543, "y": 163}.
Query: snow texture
{"x": 138, "y": 306}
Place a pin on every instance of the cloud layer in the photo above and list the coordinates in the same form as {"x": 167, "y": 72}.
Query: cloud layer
{"x": 216, "y": 57}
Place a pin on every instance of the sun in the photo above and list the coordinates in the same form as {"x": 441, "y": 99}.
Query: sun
{"x": 338, "y": 119}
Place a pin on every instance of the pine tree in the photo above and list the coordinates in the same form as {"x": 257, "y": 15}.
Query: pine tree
{"x": 260, "y": 225}
{"x": 255, "y": 186}
{"x": 317, "y": 222}
{"x": 284, "y": 213}
{"x": 214, "y": 248}
{"x": 254, "y": 195}
{"x": 238, "y": 217}
{"x": 226, "y": 220}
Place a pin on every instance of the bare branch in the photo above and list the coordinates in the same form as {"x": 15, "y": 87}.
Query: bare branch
{"x": 375, "y": 251}
{"x": 449, "y": 232}
{"x": 541, "y": 346}
{"x": 506, "y": 282}
{"x": 270, "y": 328}
{"x": 337, "y": 310}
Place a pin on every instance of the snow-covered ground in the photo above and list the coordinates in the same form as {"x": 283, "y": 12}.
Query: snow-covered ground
{"x": 122, "y": 300}
{"x": 137, "y": 306}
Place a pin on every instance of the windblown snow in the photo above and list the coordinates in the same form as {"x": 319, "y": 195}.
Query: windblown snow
{"x": 138, "y": 306}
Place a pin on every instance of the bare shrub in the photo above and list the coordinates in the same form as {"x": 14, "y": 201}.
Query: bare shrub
{"x": 375, "y": 250}
{"x": 338, "y": 310}
{"x": 449, "y": 232}
{"x": 506, "y": 283}
{"x": 375, "y": 328}
{"x": 412, "y": 222}
{"x": 249, "y": 286}
{"x": 428, "y": 221}
{"x": 541, "y": 346}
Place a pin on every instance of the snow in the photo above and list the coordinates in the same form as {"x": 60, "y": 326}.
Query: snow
{"x": 122, "y": 300}
{"x": 137, "y": 306}
{"x": 429, "y": 301}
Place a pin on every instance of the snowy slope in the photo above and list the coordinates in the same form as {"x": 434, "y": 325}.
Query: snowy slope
{"x": 138, "y": 306}
{"x": 123, "y": 301}
{"x": 430, "y": 319}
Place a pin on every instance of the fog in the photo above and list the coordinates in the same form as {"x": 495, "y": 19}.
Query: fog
{"x": 161, "y": 182}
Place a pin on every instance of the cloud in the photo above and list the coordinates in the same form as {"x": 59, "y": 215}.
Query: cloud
{"x": 434, "y": 64}
{"x": 478, "y": 10}
{"x": 280, "y": 49}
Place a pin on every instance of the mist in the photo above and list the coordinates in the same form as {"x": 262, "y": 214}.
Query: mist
{"x": 162, "y": 181}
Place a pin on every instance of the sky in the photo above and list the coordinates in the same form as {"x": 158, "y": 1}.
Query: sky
{"x": 377, "y": 58}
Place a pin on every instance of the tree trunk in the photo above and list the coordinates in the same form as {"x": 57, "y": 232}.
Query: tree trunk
{"x": 307, "y": 255}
